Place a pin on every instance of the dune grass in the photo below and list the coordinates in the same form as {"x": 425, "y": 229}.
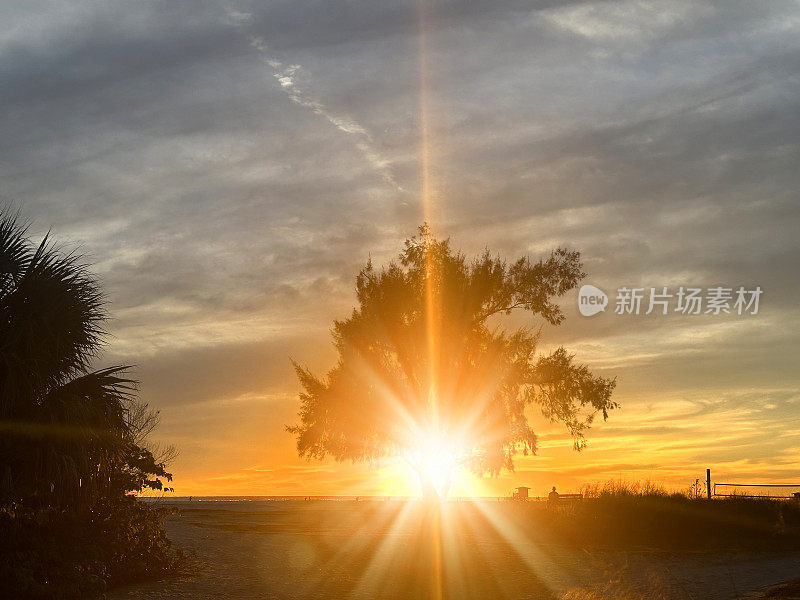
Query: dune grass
{"x": 644, "y": 515}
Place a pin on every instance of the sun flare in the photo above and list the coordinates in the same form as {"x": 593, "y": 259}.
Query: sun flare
{"x": 435, "y": 458}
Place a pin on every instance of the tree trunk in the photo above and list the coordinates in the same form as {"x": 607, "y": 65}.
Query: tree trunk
{"x": 429, "y": 491}
{"x": 446, "y": 488}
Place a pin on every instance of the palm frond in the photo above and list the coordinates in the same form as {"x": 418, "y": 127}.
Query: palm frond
{"x": 51, "y": 319}
{"x": 14, "y": 250}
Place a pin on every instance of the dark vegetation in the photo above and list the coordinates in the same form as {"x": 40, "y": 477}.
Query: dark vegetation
{"x": 623, "y": 516}
{"x": 72, "y": 440}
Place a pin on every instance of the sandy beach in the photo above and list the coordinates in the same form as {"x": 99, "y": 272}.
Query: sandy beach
{"x": 388, "y": 549}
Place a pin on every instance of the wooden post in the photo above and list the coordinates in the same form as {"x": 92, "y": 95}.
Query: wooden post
{"x": 708, "y": 483}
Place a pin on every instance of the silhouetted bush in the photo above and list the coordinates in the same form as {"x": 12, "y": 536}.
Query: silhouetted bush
{"x": 48, "y": 553}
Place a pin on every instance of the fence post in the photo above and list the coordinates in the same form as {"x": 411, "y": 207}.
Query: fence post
{"x": 708, "y": 483}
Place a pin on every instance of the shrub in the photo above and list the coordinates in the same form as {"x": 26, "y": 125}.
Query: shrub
{"x": 50, "y": 553}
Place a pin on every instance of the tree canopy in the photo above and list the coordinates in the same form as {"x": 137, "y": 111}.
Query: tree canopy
{"x": 426, "y": 356}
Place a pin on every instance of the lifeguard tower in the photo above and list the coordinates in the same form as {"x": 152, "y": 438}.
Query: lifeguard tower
{"x": 520, "y": 493}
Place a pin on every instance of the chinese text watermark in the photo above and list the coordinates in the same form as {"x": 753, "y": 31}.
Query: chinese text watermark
{"x": 664, "y": 300}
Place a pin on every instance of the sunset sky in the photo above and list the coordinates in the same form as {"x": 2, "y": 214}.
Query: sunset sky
{"x": 228, "y": 167}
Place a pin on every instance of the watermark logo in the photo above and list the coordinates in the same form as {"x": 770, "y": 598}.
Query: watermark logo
{"x": 591, "y": 300}
{"x": 663, "y": 300}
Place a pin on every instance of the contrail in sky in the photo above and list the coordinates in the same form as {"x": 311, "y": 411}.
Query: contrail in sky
{"x": 287, "y": 77}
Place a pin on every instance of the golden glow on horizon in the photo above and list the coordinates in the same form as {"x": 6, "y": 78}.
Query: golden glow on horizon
{"x": 437, "y": 460}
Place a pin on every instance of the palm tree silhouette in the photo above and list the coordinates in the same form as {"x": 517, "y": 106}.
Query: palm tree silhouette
{"x": 67, "y": 435}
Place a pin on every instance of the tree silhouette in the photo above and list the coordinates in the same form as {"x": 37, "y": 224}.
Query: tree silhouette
{"x": 427, "y": 372}
{"x": 69, "y": 436}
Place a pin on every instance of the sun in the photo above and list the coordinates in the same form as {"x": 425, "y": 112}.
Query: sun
{"x": 435, "y": 458}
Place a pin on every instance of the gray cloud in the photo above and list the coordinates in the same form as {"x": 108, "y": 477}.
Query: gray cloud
{"x": 227, "y": 210}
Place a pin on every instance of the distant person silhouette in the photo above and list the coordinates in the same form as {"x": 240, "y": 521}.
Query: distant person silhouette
{"x": 552, "y": 497}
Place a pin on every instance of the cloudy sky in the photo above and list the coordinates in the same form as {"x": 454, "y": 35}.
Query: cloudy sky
{"x": 227, "y": 167}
